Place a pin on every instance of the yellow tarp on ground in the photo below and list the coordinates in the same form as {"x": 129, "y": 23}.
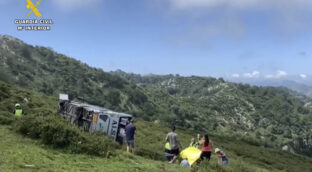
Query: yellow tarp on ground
{"x": 191, "y": 154}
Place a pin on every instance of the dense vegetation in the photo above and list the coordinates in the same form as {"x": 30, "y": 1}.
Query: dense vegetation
{"x": 266, "y": 116}
{"x": 42, "y": 124}
{"x": 43, "y": 70}
{"x": 18, "y": 153}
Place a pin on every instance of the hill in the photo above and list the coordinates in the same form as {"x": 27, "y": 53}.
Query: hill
{"x": 34, "y": 151}
{"x": 43, "y": 70}
{"x": 270, "y": 116}
{"x": 273, "y": 117}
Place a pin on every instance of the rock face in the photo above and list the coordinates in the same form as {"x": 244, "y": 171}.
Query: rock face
{"x": 285, "y": 148}
{"x": 303, "y": 145}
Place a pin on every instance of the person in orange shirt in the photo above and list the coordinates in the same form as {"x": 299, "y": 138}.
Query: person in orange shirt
{"x": 206, "y": 147}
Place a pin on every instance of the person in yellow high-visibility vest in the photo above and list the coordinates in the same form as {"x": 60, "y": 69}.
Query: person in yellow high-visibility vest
{"x": 18, "y": 112}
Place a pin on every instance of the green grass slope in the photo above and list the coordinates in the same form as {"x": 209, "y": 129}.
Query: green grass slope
{"x": 18, "y": 153}
{"x": 271, "y": 116}
{"x": 67, "y": 150}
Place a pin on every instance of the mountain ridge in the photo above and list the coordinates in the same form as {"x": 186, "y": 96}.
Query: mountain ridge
{"x": 263, "y": 115}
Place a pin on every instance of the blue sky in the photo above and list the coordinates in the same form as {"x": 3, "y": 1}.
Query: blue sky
{"x": 221, "y": 38}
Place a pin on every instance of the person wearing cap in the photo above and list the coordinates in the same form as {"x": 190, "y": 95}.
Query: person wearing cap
{"x": 130, "y": 131}
{"x": 222, "y": 158}
{"x": 18, "y": 112}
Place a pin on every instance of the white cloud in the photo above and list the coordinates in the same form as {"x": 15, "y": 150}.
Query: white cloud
{"x": 303, "y": 76}
{"x": 225, "y": 25}
{"x": 235, "y": 75}
{"x": 285, "y": 16}
{"x": 238, "y": 4}
{"x": 70, "y": 5}
{"x": 254, "y": 74}
{"x": 279, "y": 74}
{"x": 182, "y": 4}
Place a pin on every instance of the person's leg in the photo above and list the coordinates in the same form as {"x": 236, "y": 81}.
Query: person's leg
{"x": 202, "y": 156}
{"x": 208, "y": 155}
{"x": 132, "y": 150}
{"x": 173, "y": 159}
{"x": 128, "y": 146}
{"x": 132, "y": 146}
{"x": 175, "y": 152}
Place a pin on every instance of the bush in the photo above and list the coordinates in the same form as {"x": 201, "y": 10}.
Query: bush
{"x": 56, "y": 131}
{"x": 6, "y": 118}
{"x": 152, "y": 154}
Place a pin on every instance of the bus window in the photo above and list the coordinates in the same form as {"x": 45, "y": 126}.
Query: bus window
{"x": 103, "y": 117}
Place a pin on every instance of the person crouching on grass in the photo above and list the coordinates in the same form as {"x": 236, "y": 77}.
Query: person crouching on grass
{"x": 222, "y": 158}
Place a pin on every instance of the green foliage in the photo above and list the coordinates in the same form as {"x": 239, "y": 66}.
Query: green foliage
{"x": 271, "y": 116}
{"x": 6, "y": 118}
{"x": 223, "y": 108}
{"x": 42, "y": 70}
{"x": 19, "y": 154}
{"x": 42, "y": 122}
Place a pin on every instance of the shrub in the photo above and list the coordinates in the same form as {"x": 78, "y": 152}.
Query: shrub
{"x": 152, "y": 154}
{"x": 6, "y": 118}
{"x": 56, "y": 131}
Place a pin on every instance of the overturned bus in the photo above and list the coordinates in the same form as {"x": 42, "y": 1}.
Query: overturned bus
{"x": 94, "y": 118}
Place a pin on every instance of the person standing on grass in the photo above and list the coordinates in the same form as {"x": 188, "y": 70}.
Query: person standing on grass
{"x": 172, "y": 138}
{"x": 206, "y": 145}
{"x": 18, "y": 112}
{"x": 194, "y": 143}
{"x": 130, "y": 131}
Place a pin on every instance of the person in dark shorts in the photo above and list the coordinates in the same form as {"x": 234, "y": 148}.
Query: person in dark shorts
{"x": 168, "y": 153}
{"x": 206, "y": 145}
{"x": 130, "y": 131}
{"x": 172, "y": 138}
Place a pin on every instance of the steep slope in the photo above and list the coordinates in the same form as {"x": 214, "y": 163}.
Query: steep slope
{"x": 265, "y": 115}
{"x": 46, "y": 71}
{"x": 19, "y": 153}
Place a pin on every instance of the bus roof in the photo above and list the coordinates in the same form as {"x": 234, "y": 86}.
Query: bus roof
{"x": 99, "y": 109}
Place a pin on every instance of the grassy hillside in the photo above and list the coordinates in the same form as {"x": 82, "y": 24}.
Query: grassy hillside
{"x": 18, "y": 153}
{"x": 273, "y": 117}
{"x": 269, "y": 116}
{"x": 43, "y": 70}
{"x": 17, "y": 150}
